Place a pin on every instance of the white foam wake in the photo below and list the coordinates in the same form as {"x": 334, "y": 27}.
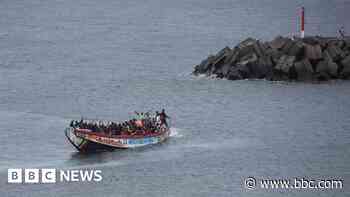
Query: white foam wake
{"x": 175, "y": 132}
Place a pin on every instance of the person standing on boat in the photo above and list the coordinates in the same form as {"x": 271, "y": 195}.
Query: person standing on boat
{"x": 156, "y": 117}
{"x": 163, "y": 116}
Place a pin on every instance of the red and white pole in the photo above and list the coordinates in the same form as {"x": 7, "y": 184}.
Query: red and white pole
{"x": 302, "y": 32}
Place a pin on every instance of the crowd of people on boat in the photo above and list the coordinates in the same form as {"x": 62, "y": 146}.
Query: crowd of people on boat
{"x": 142, "y": 123}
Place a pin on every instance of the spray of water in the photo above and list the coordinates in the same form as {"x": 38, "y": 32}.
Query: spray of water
{"x": 175, "y": 132}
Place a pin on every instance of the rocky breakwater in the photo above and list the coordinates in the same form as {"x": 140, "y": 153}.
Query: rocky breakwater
{"x": 307, "y": 59}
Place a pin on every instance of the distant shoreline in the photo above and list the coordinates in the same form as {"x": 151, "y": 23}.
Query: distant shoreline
{"x": 311, "y": 58}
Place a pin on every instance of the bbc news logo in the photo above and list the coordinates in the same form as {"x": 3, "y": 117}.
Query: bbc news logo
{"x": 51, "y": 175}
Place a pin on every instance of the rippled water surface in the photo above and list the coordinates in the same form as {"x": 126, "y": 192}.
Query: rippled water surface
{"x": 104, "y": 59}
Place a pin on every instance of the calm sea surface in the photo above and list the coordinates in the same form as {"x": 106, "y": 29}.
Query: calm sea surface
{"x": 104, "y": 59}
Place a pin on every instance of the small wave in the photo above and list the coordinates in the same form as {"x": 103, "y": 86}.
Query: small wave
{"x": 175, "y": 132}
{"x": 185, "y": 74}
{"x": 224, "y": 144}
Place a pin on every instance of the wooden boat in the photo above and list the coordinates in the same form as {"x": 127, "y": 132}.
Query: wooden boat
{"x": 86, "y": 140}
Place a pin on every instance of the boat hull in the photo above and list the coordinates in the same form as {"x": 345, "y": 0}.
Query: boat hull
{"x": 87, "y": 141}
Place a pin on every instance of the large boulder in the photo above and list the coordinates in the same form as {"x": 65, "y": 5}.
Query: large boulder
{"x": 246, "y": 48}
{"x": 284, "y": 69}
{"x": 326, "y": 56}
{"x": 251, "y": 66}
{"x": 204, "y": 66}
{"x": 266, "y": 68}
{"x": 312, "y": 40}
{"x": 238, "y": 72}
{"x": 251, "y": 58}
{"x": 232, "y": 57}
{"x": 345, "y": 73}
{"x": 278, "y": 42}
{"x": 259, "y": 70}
{"x": 323, "y": 42}
{"x": 335, "y": 52}
{"x": 221, "y": 55}
{"x": 234, "y": 74}
{"x": 219, "y": 60}
{"x": 327, "y": 69}
{"x": 247, "y": 42}
{"x": 313, "y": 52}
{"x": 347, "y": 45}
{"x": 225, "y": 70}
{"x": 284, "y": 64}
{"x": 337, "y": 42}
{"x": 260, "y": 49}
{"x": 266, "y": 60}
{"x": 304, "y": 70}
{"x": 274, "y": 55}
{"x": 222, "y": 52}
{"x": 295, "y": 49}
{"x": 287, "y": 45}
{"x": 264, "y": 45}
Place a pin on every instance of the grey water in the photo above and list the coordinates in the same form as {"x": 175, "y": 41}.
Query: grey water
{"x": 104, "y": 59}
